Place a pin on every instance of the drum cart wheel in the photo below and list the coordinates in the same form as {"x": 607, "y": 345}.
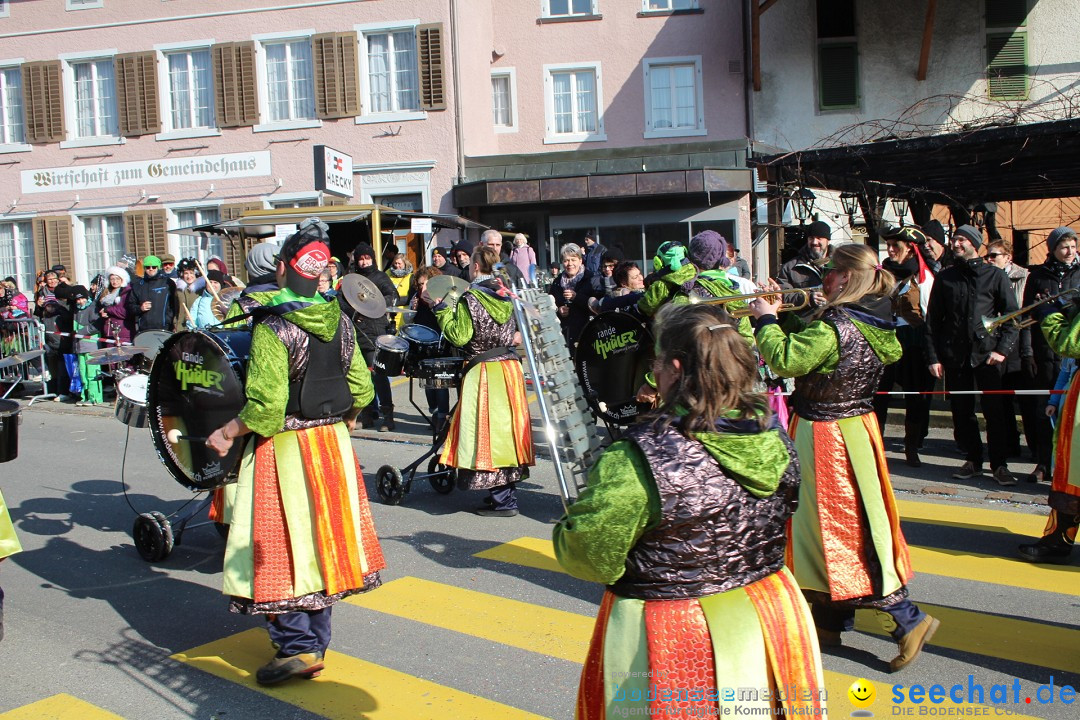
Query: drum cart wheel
{"x": 389, "y": 485}
{"x": 153, "y": 536}
{"x": 442, "y": 477}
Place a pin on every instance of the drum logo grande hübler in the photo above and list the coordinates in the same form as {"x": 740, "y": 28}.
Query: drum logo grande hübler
{"x": 190, "y": 371}
{"x": 606, "y": 346}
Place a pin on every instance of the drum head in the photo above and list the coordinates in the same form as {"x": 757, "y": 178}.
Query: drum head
{"x": 392, "y": 343}
{"x": 613, "y": 354}
{"x": 133, "y": 388}
{"x": 420, "y": 334}
{"x": 195, "y": 387}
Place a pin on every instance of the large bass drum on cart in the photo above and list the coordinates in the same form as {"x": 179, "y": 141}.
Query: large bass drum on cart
{"x": 196, "y": 386}
{"x": 614, "y": 352}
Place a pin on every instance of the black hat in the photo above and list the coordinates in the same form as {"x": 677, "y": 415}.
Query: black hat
{"x": 818, "y": 229}
{"x": 77, "y": 292}
{"x": 935, "y": 231}
{"x": 215, "y": 275}
{"x": 58, "y": 268}
{"x": 186, "y": 264}
{"x": 464, "y": 245}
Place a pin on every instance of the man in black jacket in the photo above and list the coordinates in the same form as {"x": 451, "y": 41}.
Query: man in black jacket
{"x": 1060, "y": 272}
{"x": 152, "y": 299}
{"x": 805, "y": 269}
{"x": 966, "y": 355}
{"x": 368, "y": 329}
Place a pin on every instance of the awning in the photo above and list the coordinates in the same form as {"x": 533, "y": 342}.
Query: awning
{"x": 254, "y": 222}
{"x": 995, "y": 164}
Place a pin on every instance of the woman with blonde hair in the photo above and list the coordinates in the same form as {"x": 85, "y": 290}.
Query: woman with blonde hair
{"x": 683, "y": 520}
{"x": 845, "y": 544}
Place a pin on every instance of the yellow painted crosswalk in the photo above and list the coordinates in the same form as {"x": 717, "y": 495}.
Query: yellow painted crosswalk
{"x": 356, "y": 687}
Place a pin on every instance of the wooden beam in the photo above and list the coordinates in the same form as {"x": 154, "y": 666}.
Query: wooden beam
{"x": 928, "y": 33}
{"x": 767, "y": 4}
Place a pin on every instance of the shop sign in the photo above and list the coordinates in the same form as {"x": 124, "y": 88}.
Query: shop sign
{"x": 138, "y": 173}
{"x": 333, "y": 171}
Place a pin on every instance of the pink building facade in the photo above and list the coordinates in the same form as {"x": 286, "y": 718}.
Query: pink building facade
{"x": 123, "y": 120}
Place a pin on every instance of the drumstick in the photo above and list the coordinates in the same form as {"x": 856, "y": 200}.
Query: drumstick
{"x": 174, "y": 436}
{"x": 199, "y": 265}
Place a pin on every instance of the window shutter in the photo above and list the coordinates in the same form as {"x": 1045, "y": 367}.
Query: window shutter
{"x": 43, "y": 99}
{"x": 838, "y": 75}
{"x": 337, "y": 92}
{"x": 429, "y": 44}
{"x": 237, "y": 246}
{"x": 335, "y": 200}
{"x": 137, "y": 93}
{"x": 236, "y": 100}
{"x": 144, "y": 233}
{"x": 1006, "y": 13}
{"x": 1006, "y": 66}
{"x": 52, "y": 242}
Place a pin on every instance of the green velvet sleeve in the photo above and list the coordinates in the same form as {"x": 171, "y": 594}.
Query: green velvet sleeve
{"x": 655, "y": 296}
{"x": 456, "y": 323}
{"x": 359, "y": 378}
{"x": 814, "y": 349}
{"x": 1062, "y": 334}
{"x": 618, "y": 505}
{"x": 267, "y": 385}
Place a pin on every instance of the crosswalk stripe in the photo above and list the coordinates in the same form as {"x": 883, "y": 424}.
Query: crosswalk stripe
{"x": 349, "y": 688}
{"x": 552, "y": 632}
{"x": 964, "y": 565}
{"x": 531, "y": 627}
{"x": 1002, "y": 637}
{"x": 59, "y": 707}
{"x": 973, "y": 518}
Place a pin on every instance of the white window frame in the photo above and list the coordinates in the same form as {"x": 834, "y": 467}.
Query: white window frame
{"x": 694, "y": 5}
{"x": 78, "y": 249}
{"x": 164, "y": 96}
{"x": 5, "y": 8}
{"x": 24, "y": 276}
{"x": 545, "y": 10}
{"x": 550, "y": 136}
{"x": 366, "y": 116}
{"x": 13, "y": 64}
{"x": 262, "y": 79}
{"x": 174, "y": 211}
{"x": 83, "y": 4}
{"x": 68, "y": 59}
{"x": 647, "y": 65}
{"x": 511, "y": 75}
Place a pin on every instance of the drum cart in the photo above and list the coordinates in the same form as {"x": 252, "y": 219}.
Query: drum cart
{"x": 393, "y": 484}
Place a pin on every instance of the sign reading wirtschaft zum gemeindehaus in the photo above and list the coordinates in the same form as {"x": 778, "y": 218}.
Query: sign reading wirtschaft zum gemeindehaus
{"x": 212, "y": 168}
{"x": 333, "y": 171}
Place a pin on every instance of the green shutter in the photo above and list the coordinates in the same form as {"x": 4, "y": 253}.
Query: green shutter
{"x": 838, "y": 76}
{"x": 1006, "y": 66}
{"x": 1006, "y": 13}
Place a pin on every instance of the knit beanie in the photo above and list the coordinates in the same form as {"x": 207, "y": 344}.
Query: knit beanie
{"x": 1059, "y": 235}
{"x": 818, "y": 229}
{"x": 707, "y": 249}
{"x": 970, "y": 233}
{"x": 260, "y": 259}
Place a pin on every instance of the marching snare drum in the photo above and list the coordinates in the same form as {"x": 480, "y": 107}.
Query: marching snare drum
{"x": 196, "y": 386}
{"x": 131, "y": 399}
{"x": 613, "y": 354}
{"x": 390, "y": 351}
{"x": 424, "y": 343}
{"x": 438, "y": 373}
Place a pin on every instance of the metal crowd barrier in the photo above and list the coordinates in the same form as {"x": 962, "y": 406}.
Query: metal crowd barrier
{"x": 22, "y": 353}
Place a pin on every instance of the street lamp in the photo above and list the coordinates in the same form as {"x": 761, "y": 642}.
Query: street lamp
{"x": 978, "y": 216}
{"x": 850, "y": 203}
{"x": 804, "y": 203}
{"x": 899, "y": 206}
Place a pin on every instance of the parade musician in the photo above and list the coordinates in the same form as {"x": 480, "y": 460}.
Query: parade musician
{"x": 301, "y": 535}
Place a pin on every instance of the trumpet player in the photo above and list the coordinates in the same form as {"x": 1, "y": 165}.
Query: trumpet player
{"x": 1062, "y": 335}
{"x": 960, "y": 350}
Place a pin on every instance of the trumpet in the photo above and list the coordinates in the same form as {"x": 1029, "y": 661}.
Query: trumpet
{"x": 741, "y": 312}
{"x": 1017, "y": 316}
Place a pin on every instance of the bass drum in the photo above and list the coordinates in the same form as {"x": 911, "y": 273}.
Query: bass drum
{"x": 613, "y": 354}
{"x": 195, "y": 387}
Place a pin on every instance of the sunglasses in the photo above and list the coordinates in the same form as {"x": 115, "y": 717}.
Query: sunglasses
{"x": 994, "y": 255}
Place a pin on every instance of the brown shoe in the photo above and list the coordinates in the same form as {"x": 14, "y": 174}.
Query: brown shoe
{"x": 829, "y": 638}
{"x": 912, "y": 643}
{"x": 280, "y": 669}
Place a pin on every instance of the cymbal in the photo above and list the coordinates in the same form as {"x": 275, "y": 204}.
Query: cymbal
{"x": 11, "y": 361}
{"x": 446, "y": 287}
{"x": 110, "y": 356}
{"x": 361, "y": 295}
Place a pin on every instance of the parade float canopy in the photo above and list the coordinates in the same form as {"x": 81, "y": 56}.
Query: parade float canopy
{"x": 993, "y": 164}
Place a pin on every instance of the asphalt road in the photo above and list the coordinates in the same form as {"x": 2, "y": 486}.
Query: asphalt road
{"x": 474, "y": 621}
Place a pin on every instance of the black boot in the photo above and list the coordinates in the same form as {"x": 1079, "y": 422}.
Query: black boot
{"x": 367, "y": 417}
{"x": 1056, "y": 546}
{"x": 387, "y": 421}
